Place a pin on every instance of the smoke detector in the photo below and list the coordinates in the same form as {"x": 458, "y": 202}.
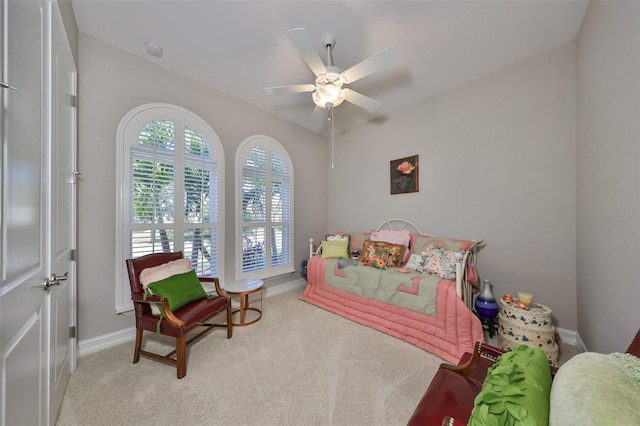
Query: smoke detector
{"x": 153, "y": 49}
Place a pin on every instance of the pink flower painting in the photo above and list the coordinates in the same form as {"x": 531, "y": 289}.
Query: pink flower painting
{"x": 404, "y": 175}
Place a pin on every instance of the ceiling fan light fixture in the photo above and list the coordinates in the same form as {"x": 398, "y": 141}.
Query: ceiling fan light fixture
{"x": 327, "y": 94}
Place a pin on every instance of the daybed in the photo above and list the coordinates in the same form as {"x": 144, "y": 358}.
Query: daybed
{"x": 589, "y": 389}
{"x": 420, "y": 291}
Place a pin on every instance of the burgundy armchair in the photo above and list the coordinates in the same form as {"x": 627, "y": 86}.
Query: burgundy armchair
{"x": 176, "y": 324}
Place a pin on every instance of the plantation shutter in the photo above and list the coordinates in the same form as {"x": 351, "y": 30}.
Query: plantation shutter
{"x": 152, "y": 190}
{"x": 266, "y": 209}
{"x": 280, "y": 211}
{"x": 200, "y": 204}
{"x": 254, "y": 198}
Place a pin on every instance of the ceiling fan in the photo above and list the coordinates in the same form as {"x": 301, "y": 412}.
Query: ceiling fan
{"x": 329, "y": 89}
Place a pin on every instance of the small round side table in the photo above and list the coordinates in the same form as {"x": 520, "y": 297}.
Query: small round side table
{"x": 243, "y": 288}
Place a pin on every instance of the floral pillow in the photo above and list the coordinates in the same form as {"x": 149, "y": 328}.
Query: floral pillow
{"x": 338, "y": 236}
{"x": 415, "y": 261}
{"x": 420, "y": 243}
{"x": 374, "y": 255}
{"x": 402, "y": 237}
{"x": 440, "y": 262}
{"x": 395, "y": 252}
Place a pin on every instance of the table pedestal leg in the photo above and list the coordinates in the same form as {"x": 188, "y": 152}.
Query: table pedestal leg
{"x": 244, "y": 301}
{"x": 244, "y": 307}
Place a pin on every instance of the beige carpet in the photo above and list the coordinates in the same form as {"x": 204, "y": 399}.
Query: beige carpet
{"x": 298, "y": 365}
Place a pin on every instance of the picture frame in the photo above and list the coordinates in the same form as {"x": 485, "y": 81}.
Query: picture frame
{"x": 403, "y": 175}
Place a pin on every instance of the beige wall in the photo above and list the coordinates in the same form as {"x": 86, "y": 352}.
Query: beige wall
{"x": 497, "y": 162}
{"x": 608, "y": 195}
{"x": 111, "y": 83}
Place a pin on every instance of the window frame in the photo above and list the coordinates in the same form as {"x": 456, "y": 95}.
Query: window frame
{"x": 128, "y": 132}
{"x": 270, "y": 145}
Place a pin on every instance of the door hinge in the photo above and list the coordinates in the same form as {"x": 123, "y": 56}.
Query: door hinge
{"x": 73, "y": 255}
{"x": 72, "y": 332}
{"x": 73, "y": 101}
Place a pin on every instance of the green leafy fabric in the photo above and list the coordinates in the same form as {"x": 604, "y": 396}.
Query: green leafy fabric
{"x": 516, "y": 390}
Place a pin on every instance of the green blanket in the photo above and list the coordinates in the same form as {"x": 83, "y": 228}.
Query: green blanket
{"x": 412, "y": 290}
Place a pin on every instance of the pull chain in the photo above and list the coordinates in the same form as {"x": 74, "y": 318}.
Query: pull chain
{"x": 332, "y": 146}
{"x": 330, "y": 118}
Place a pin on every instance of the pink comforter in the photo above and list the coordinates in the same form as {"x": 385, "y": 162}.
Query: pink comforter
{"x": 451, "y": 333}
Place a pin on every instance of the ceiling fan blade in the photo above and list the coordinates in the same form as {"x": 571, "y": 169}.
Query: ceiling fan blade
{"x": 286, "y": 90}
{"x": 373, "y": 63}
{"x": 311, "y": 56}
{"x": 361, "y": 100}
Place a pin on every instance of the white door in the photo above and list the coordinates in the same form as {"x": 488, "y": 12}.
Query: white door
{"x": 23, "y": 322}
{"x": 36, "y": 219}
{"x": 61, "y": 244}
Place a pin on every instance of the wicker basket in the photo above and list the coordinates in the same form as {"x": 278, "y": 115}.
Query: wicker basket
{"x": 530, "y": 326}
{"x": 532, "y": 336}
{"x": 508, "y": 343}
{"x": 536, "y": 315}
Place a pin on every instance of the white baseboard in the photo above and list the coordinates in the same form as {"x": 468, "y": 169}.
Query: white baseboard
{"x": 95, "y": 344}
{"x": 572, "y": 338}
{"x": 580, "y": 344}
{"x": 281, "y": 288}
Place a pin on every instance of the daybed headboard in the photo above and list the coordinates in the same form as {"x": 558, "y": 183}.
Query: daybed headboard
{"x": 399, "y": 225}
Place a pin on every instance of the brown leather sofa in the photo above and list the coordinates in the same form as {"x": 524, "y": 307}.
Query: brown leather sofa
{"x": 449, "y": 399}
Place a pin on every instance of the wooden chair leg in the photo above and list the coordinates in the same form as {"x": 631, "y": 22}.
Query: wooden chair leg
{"x": 181, "y": 356}
{"x": 229, "y": 323}
{"x": 136, "y": 351}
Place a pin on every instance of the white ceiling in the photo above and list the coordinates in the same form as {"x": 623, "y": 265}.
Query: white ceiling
{"x": 239, "y": 47}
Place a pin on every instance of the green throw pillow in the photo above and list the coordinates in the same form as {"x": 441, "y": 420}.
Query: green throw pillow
{"x": 516, "y": 390}
{"x": 335, "y": 249}
{"x": 179, "y": 289}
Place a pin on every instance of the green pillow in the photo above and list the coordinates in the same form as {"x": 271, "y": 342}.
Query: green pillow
{"x": 335, "y": 249}
{"x": 516, "y": 390}
{"x": 179, "y": 289}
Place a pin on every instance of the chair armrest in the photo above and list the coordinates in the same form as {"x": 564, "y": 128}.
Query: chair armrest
{"x": 216, "y": 283}
{"x": 481, "y": 350}
{"x": 169, "y": 316}
{"x": 163, "y": 305}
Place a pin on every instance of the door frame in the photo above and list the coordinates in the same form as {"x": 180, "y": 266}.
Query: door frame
{"x": 62, "y": 94}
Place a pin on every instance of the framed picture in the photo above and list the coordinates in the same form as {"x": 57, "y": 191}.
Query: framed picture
{"x": 404, "y": 175}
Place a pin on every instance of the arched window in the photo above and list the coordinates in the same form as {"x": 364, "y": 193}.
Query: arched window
{"x": 170, "y": 190}
{"x": 264, "y": 209}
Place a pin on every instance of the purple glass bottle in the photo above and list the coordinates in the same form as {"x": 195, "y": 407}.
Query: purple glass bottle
{"x": 486, "y": 305}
